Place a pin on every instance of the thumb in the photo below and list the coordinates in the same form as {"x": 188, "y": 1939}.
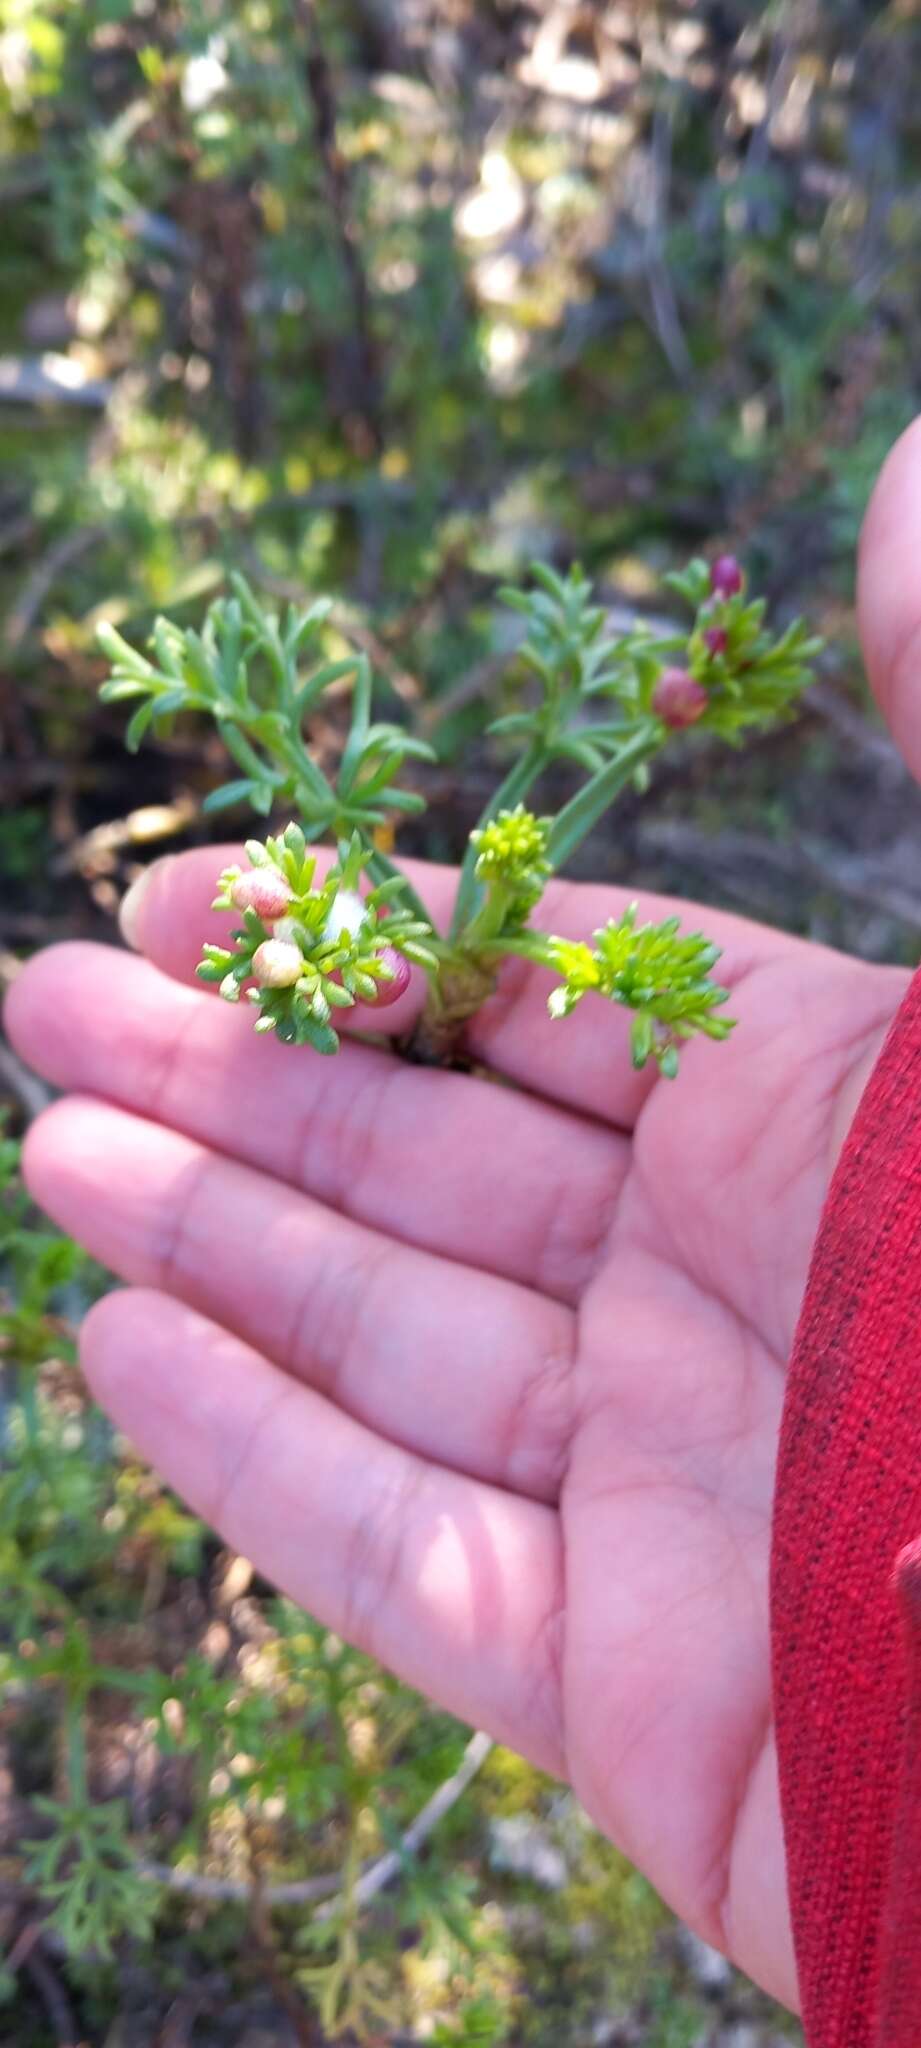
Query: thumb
{"x": 889, "y": 593}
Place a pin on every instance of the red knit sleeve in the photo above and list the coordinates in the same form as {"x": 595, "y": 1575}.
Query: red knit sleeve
{"x": 845, "y": 1618}
{"x": 900, "y": 1927}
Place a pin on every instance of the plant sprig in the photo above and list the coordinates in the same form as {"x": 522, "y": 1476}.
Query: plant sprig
{"x": 323, "y": 950}
{"x": 259, "y": 677}
{"x": 312, "y": 944}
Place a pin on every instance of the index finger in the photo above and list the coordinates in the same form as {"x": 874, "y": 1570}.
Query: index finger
{"x": 583, "y": 1062}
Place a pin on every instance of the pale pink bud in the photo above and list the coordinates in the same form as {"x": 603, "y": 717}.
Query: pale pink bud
{"x": 390, "y": 991}
{"x": 678, "y": 699}
{"x": 726, "y": 576}
{"x": 277, "y": 964}
{"x": 263, "y": 890}
{"x": 716, "y": 639}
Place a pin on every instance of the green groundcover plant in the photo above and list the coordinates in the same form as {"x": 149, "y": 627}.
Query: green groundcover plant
{"x": 289, "y": 1750}
{"x": 312, "y": 943}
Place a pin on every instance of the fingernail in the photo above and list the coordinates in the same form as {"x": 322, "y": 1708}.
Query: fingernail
{"x": 129, "y": 915}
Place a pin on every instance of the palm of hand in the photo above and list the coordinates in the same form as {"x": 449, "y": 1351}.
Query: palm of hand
{"x": 686, "y": 1332}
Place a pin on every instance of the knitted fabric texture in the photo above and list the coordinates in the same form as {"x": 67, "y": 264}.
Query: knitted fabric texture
{"x": 845, "y": 1590}
{"x": 900, "y": 1931}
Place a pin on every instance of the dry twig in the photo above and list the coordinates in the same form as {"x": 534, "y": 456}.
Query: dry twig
{"x": 304, "y": 1891}
{"x": 28, "y": 1955}
{"x": 32, "y": 1094}
{"x": 366, "y": 392}
{"x": 36, "y": 588}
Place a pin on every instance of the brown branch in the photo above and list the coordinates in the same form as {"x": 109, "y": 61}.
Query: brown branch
{"x": 28, "y": 1956}
{"x": 663, "y": 298}
{"x": 194, "y": 1885}
{"x": 19, "y": 530}
{"x": 847, "y": 719}
{"x": 304, "y": 2023}
{"x": 32, "y": 1094}
{"x": 39, "y": 583}
{"x": 477, "y": 682}
{"x": 872, "y": 884}
{"x": 365, "y": 378}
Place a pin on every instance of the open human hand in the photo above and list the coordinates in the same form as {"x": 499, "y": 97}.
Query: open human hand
{"x": 489, "y": 1377}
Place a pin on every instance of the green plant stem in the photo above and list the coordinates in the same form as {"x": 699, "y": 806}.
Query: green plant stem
{"x": 75, "y": 1732}
{"x": 294, "y": 754}
{"x": 518, "y": 781}
{"x": 381, "y": 869}
{"x": 527, "y": 945}
{"x": 27, "y": 1397}
{"x": 590, "y": 803}
{"x": 487, "y": 922}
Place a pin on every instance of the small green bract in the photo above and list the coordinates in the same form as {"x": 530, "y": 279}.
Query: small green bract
{"x": 317, "y": 936}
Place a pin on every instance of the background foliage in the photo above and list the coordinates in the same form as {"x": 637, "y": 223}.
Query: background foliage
{"x": 386, "y": 299}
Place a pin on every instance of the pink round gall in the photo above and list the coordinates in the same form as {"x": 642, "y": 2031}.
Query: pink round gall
{"x": 678, "y": 699}
{"x": 401, "y": 975}
{"x": 277, "y": 963}
{"x": 716, "y": 640}
{"x": 263, "y": 890}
